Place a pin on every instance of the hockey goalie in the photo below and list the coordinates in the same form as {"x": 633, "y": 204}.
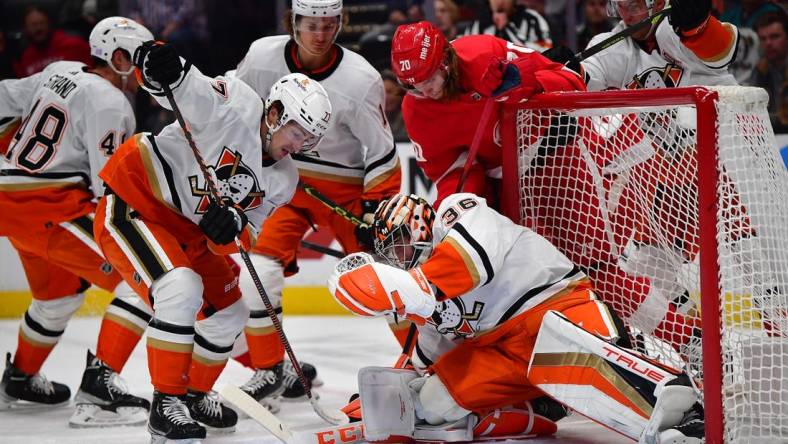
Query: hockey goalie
{"x": 504, "y": 319}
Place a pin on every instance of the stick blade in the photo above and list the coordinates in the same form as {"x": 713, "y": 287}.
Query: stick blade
{"x": 330, "y": 415}
{"x": 257, "y": 412}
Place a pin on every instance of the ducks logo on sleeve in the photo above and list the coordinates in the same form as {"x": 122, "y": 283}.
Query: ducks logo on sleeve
{"x": 235, "y": 181}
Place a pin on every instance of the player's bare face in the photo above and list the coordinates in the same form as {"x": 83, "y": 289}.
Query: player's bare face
{"x": 316, "y": 34}
{"x": 290, "y": 138}
{"x": 433, "y": 87}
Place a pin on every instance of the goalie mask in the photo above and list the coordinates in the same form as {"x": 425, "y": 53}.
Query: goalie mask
{"x": 303, "y": 101}
{"x": 403, "y": 230}
{"x": 117, "y": 33}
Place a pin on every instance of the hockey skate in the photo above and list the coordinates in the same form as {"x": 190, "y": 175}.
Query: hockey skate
{"x": 103, "y": 400}
{"x": 170, "y": 421}
{"x": 18, "y": 390}
{"x": 690, "y": 430}
{"x": 210, "y": 412}
{"x": 265, "y": 386}
{"x": 294, "y": 391}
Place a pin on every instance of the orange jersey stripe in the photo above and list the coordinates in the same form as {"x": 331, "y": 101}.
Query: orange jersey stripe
{"x": 712, "y": 43}
{"x": 451, "y": 269}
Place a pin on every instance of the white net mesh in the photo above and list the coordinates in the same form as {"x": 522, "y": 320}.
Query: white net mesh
{"x": 616, "y": 189}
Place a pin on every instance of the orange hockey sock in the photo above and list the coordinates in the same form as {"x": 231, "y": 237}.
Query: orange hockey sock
{"x": 169, "y": 363}
{"x": 117, "y": 339}
{"x": 265, "y": 348}
{"x": 203, "y": 373}
{"x": 30, "y": 355}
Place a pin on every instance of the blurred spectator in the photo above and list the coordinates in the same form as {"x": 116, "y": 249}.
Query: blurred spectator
{"x": 46, "y": 45}
{"x": 181, "y": 23}
{"x": 748, "y": 12}
{"x": 747, "y": 55}
{"x": 415, "y": 12}
{"x": 446, "y": 16}
{"x": 595, "y": 21}
{"x": 770, "y": 73}
{"x": 6, "y": 69}
{"x": 394, "y": 95}
{"x": 82, "y": 15}
{"x": 515, "y": 24}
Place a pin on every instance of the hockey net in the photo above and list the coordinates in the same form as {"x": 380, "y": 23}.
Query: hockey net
{"x": 616, "y": 179}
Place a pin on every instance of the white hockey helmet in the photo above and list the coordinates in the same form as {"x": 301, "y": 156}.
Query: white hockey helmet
{"x": 316, "y": 8}
{"x": 634, "y": 6}
{"x": 303, "y": 101}
{"x": 117, "y": 33}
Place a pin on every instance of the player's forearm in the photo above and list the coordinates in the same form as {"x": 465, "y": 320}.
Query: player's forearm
{"x": 713, "y": 42}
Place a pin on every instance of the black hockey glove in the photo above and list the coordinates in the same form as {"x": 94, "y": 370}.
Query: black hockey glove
{"x": 686, "y": 15}
{"x": 564, "y": 56}
{"x": 366, "y": 235}
{"x": 159, "y": 62}
{"x": 222, "y": 223}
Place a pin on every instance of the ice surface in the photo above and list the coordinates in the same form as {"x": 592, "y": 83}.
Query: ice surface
{"x": 338, "y": 346}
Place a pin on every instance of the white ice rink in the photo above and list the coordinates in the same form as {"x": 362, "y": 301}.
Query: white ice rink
{"x": 338, "y": 346}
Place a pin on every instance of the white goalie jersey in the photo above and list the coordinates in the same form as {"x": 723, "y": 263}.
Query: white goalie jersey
{"x": 487, "y": 270}
{"x": 626, "y": 65}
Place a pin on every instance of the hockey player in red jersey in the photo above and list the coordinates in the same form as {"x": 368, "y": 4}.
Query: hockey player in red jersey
{"x": 73, "y": 119}
{"x": 161, "y": 228}
{"x": 500, "y": 311}
{"x": 450, "y": 83}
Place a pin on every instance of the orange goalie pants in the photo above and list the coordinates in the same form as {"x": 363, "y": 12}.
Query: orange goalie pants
{"x": 490, "y": 371}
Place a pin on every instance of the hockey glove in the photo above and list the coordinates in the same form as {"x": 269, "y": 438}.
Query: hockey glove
{"x": 564, "y": 56}
{"x": 221, "y": 224}
{"x": 366, "y": 234}
{"x": 368, "y": 288}
{"x": 688, "y": 17}
{"x": 515, "y": 79}
{"x": 159, "y": 62}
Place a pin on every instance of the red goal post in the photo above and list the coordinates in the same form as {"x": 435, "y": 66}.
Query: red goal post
{"x": 675, "y": 202}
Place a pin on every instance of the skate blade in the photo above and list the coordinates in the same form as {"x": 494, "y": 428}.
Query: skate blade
{"x": 218, "y": 431}
{"x": 22, "y": 405}
{"x": 158, "y": 439}
{"x": 93, "y": 416}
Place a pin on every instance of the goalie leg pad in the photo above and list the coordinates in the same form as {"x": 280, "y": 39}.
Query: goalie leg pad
{"x": 602, "y": 381}
{"x": 435, "y": 404}
{"x": 387, "y": 400}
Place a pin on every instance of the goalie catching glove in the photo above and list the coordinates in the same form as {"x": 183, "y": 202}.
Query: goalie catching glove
{"x": 368, "y": 288}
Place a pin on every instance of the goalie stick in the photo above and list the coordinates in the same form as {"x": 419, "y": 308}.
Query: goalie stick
{"x": 333, "y": 416}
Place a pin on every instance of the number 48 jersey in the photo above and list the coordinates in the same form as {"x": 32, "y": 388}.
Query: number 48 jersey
{"x": 72, "y": 121}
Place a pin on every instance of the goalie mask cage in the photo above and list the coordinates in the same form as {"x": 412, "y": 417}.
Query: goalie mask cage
{"x": 675, "y": 203}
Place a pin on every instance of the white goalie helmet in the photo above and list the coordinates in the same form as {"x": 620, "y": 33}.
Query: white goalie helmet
{"x": 303, "y": 101}
{"x": 316, "y": 8}
{"x": 117, "y": 33}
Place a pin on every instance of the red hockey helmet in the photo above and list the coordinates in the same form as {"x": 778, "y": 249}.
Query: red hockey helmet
{"x": 417, "y": 52}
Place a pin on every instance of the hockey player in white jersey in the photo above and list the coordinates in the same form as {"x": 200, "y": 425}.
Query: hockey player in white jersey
{"x": 73, "y": 119}
{"x": 356, "y": 166}
{"x": 163, "y": 231}
{"x": 692, "y": 47}
{"x": 495, "y": 302}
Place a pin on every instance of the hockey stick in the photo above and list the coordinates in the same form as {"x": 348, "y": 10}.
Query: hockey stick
{"x": 335, "y": 207}
{"x": 333, "y": 416}
{"x": 321, "y": 249}
{"x": 628, "y": 31}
